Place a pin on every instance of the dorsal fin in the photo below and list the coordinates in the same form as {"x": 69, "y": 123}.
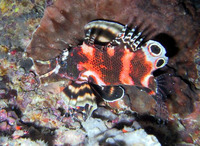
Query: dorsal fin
{"x": 112, "y": 33}
{"x": 102, "y": 31}
{"x": 129, "y": 38}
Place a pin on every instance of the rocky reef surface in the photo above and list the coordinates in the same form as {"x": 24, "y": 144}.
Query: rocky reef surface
{"x": 32, "y": 111}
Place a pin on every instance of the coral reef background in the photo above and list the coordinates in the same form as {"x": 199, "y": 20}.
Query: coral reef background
{"x": 31, "y": 112}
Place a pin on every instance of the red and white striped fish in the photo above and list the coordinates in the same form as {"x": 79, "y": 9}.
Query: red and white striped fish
{"x": 125, "y": 60}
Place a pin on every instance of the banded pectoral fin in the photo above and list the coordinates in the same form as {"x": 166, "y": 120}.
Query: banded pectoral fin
{"x": 79, "y": 96}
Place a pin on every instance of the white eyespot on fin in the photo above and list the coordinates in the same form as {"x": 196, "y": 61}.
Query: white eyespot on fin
{"x": 160, "y": 62}
{"x": 155, "y": 53}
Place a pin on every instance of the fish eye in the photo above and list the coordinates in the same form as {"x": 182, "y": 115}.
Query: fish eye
{"x": 160, "y": 62}
{"x": 155, "y": 50}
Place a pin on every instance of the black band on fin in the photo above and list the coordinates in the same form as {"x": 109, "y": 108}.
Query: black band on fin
{"x": 109, "y": 93}
{"x": 104, "y": 31}
{"x": 79, "y": 95}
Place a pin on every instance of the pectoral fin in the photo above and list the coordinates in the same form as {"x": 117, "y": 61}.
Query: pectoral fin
{"x": 79, "y": 95}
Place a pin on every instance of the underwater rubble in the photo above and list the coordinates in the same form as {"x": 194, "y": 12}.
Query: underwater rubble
{"x": 32, "y": 110}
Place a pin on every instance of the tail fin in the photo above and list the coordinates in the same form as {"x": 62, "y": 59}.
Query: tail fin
{"x": 161, "y": 108}
{"x": 164, "y": 85}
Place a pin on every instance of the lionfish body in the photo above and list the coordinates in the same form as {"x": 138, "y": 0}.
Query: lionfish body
{"x": 113, "y": 65}
{"x": 122, "y": 61}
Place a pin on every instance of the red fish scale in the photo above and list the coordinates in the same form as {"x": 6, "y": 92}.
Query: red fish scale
{"x": 121, "y": 67}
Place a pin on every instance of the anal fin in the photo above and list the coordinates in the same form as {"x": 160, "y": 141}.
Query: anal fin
{"x": 109, "y": 93}
{"x": 79, "y": 95}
